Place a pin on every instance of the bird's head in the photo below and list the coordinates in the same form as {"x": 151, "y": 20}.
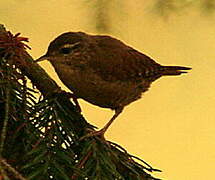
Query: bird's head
{"x": 65, "y": 46}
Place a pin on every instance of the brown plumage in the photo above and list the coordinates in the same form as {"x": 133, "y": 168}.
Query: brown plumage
{"x": 103, "y": 70}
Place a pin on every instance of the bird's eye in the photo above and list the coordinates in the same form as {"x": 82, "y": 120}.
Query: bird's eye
{"x": 68, "y": 48}
{"x": 65, "y": 50}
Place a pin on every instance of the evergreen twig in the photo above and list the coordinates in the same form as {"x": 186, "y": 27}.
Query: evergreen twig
{"x": 4, "y": 127}
{"x": 43, "y": 140}
{"x": 11, "y": 169}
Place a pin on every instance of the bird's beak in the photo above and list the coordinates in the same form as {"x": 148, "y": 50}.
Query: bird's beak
{"x": 42, "y": 58}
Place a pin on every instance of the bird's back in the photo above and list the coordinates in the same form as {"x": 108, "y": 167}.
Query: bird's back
{"x": 115, "y": 60}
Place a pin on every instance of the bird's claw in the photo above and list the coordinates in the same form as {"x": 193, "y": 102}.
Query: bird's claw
{"x": 75, "y": 100}
{"x": 94, "y": 133}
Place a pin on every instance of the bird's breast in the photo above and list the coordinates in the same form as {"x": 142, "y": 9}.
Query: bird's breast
{"x": 88, "y": 85}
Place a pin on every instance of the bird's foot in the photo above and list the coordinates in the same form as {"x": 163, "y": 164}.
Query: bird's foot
{"x": 93, "y": 133}
{"x": 75, "y": 100}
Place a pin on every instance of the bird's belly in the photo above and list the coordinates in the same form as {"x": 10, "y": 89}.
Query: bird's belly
{"x": 90, "y": 87}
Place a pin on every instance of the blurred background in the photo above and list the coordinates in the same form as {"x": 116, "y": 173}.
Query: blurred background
{"x": 172, "y": 126}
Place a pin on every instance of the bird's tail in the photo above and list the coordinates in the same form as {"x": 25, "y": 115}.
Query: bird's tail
{"x": 174, "y": 70}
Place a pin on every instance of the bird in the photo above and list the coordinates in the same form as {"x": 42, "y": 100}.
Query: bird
{"x": 104, "y": 71}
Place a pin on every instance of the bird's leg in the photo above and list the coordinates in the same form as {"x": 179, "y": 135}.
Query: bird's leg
{"x": 75, "y": 100}
{"x": 116, "y": 114}
{"x": 104, "y": 129}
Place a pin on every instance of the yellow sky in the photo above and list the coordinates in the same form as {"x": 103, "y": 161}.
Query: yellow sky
{"x": 172, "y": 126}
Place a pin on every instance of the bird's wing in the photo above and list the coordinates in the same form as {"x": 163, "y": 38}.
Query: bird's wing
{"x": 114, "y": 60}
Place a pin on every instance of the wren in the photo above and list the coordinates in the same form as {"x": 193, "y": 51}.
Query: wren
{"x": 103, "y": 70}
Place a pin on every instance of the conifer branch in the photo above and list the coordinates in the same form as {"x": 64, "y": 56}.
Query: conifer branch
{"x": 7, "y": 166}
{"x": 49, "y": 134}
